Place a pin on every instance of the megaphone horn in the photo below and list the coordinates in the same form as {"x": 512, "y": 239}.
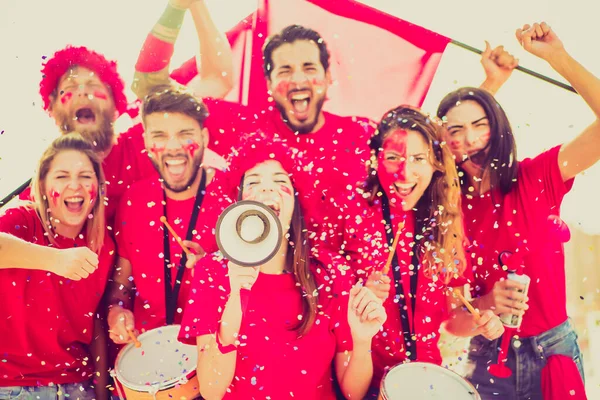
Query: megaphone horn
{"x": 248, "y": 233}
{"x": 244, "y": 226}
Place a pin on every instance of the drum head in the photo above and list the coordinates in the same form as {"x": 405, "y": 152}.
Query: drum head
{"x": 160, "y": 363}
{"x": 417, "y": 380}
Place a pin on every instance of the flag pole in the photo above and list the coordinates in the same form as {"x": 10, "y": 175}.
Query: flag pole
{"x": 15, "y": 193}
{"x": 522, "y": 69}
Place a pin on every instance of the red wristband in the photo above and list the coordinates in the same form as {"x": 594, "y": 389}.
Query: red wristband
{"x": 155, "y": 55}
{"x": 225, "y": 349}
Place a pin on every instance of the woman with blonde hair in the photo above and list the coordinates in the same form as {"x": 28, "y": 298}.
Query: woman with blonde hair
{"x": 55, "y": 259}
{"x": 412, "y": 196}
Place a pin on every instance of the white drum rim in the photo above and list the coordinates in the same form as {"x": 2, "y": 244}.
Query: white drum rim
{"x": 149, "y": 388}
{"x": 445, "y": 371}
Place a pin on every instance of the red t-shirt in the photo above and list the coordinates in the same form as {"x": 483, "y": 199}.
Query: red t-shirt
{"x": 47, "y": 320}
{"x": 139, "y": 235}
{"x": 366, "y": 249}
{"x": 127, "y": 162}
{"x": 272, "y": 362}
{"x": 521, "y": 215}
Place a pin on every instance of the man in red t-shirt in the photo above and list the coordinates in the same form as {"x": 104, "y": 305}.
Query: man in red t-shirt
{"x": 83, "y": 92}
{"x": 149, "y": 255}
{"x": 296, "y": 67}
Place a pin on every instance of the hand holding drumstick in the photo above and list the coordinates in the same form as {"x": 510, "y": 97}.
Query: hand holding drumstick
{"x": 488, "y": 324}
{"x": 378, "y": 281}
{"x": 186, "y": 245}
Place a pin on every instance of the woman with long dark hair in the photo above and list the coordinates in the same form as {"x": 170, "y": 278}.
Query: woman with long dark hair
{"x": 511, "y": 208}
{"x": 273, "y": 331}
{"x": 412, "y": 194}
{"x": 56, "y": 257}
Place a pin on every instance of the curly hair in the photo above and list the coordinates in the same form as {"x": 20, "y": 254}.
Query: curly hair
{"x": 70, "y": 57}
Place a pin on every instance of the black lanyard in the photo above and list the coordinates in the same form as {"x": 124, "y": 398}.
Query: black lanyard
{"x": 172, "y": 292}
{"x": 407, "y": 326}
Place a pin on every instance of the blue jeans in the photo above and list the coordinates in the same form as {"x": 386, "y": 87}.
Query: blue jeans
{"x": 526, "y": 358}
{"x": 67, "y": 391}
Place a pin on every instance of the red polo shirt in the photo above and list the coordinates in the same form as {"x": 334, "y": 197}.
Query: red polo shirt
{"x": 272, "y": 362}
{"x": 47, "y": 320}
{"x": 504, "y": 223}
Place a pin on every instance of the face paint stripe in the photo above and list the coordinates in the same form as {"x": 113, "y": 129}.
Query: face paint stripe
{"x": 66, "y": 97}
{"x": 100, "y": 95}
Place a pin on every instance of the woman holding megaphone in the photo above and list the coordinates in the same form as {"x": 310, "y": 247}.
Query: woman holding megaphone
{"x": 272, "y": 330}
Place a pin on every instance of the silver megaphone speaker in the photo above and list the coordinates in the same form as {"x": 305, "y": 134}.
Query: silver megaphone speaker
{"x": 248, "y": 233}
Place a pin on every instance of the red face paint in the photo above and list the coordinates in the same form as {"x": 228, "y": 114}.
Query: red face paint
{"x": 93, "y": 193}
{"x": 455, "y": 144}
{"x": 54, "y": 194}
{"x": 157, "y": 151}
{"x": 286, "y": 190}
{"x": 484, "y": 139}
{"x": 392, "y": 171}
{"x": 282, "y": 88}
{"x": 317, "y": 82}
{"x": 100, "y": 95}
{"x": 191, "y": 148}
{"x": 66, "y": 97}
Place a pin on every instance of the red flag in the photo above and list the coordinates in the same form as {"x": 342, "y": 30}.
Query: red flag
{"x": 378, "y": 61}
{"x": 561, "y": 379}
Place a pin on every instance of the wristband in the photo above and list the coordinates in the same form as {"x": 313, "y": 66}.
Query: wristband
{"x": 225, "y": 349}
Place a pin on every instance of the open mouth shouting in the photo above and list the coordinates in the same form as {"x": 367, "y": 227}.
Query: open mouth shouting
{"x": 404, "y": 189}
{"x": 74, "y": 204}
{"x": 300, "y": 101}
{"x": 176, "y": 167}
{"x": 85, "y": 115}
{"x": 273, "y": 206}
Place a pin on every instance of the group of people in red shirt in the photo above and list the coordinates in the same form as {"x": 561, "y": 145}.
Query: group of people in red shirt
{"x": 87, "y": 259}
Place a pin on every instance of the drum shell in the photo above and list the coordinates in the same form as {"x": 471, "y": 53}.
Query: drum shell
{"x": 187, "y": 391}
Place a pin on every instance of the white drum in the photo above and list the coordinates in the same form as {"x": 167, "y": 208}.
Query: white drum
{"x": 162, "y": 368}
{"x": 418, "y": 380}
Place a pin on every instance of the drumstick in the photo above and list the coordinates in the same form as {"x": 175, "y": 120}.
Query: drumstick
{"x": 136, "y": 342}
{"x": 386, "y": 269}
{"x": 467, "y": 304}
{"x": 163, "y": 219}
{"x": 113, "y": 374}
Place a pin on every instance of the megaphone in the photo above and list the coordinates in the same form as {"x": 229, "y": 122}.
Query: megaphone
{"x": 248, "y": 233}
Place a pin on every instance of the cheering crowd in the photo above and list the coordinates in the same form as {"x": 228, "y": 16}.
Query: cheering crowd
{"x": 86, "y": 263}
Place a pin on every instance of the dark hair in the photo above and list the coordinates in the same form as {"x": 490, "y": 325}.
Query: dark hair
{"x": 501, "y": 161}
{"x": 298, "y": 260}
{"x": 439, "y": 230}
{"x": 291, "y": 34}
{"x": 169, "y": 98}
